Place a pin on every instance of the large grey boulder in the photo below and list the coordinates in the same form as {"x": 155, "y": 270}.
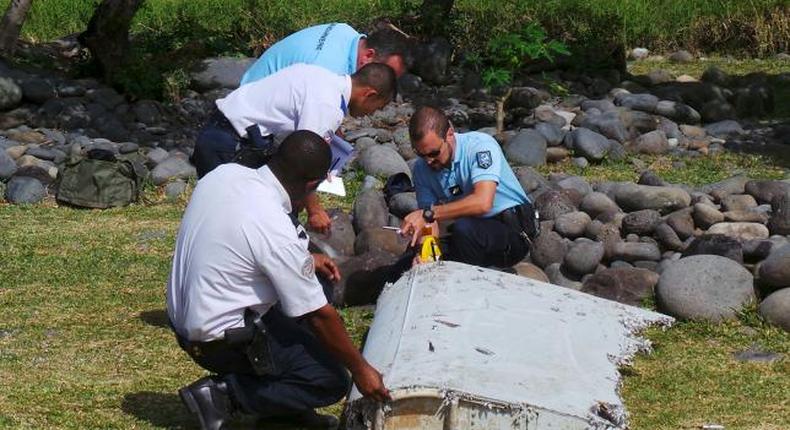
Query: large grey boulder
{"x": 25, "y": 190}
{"x": 221, "y": 72}
{"x": 553, "y": 134}
{"x": 575, "y": 183}
{"x": 682, "y": 222}
{"x": 376, "y": 238}
{"x": 679, "y": 112}
{"x": 740, "y": 230}
{"x": 340, "y": 239}
{"x": 704, "y": 287}
{"x": 609, "y": 124}
{"x": 640, "y": 102}
{"x": 633, "y": 251}
{"x": 552, "y": 204}
{"x": 7, "y": 165}
{"x": 548, "y": 248}
{"x": 654, "y": 142}
{"x": 732, "y": 185}
{"x": 38, "y": 90}
{"x": 738, "y": 202}
{"x": 10, "y": 94}
{"x": 589, "y": 144}
{"x": 530, "y": 179}
{"x": 631, "y": 286}
{"x": 706, "y": 215}
{"x": 779, "y": 222}
{"x": 775, "y": 270}
{"x": 716, "y": 244}
{"x": 596, "y": 203}
{"x": 724, "y": 129}
{"x": 527, "y": 148}
{"x": 382, "y": 160}
{"x": 558, "y": 276}
{"x": 642, "y": 222}
{"x": 370, "y": 210}
{"x": 633, "y": 197}
{"x": 766, "y": 191}
{"x": 583, "y": 256}
{"x": 175, "y": 167}
{"x": 776, "y": 308}
{"x": 572, "y": 224}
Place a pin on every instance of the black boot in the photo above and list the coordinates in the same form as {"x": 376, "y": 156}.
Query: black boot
{"x": 209, "y": 399}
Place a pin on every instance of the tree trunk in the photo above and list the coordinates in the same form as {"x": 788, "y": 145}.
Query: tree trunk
{"x": 12, "y": 24}
{"x": 107, "y": 35}
{"x": 500, "y": 112}
{"x": 435, "y": 15}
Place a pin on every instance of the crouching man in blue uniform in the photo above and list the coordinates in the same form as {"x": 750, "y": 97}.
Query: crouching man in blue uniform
{"x": 464, "y": 177}
{"x": 236, "y": 290}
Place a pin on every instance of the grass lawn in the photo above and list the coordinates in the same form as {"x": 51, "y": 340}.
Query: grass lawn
{"x": 84, "y": 341}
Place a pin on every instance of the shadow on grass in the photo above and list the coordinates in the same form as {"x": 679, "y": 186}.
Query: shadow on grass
{"x": 159, "y": 409}
{"x": 156, "y": 318}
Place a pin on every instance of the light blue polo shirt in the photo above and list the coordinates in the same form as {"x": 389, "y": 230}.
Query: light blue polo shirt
{"x": 477, "y": 157}
{"x": 331, "y": 46}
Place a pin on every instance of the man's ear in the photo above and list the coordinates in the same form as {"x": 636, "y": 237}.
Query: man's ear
{"x": 368, "y": 55}
{"x": 370, "y": 93}
{"x": 450, "y": 134}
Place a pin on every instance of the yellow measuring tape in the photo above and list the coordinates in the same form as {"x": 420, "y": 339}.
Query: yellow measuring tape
{"x": 430, "y": 250}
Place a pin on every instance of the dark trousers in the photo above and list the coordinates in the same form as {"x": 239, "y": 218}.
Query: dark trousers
{"x": 305, "y": 376}
{"x": 216, "y": 144}
{"x": 485, "y": 242}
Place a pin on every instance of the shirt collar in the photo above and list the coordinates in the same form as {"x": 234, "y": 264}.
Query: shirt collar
{"x": 353, "y": 53}
{"x": 268, "y": 177}
{"x": 345, "y": 94}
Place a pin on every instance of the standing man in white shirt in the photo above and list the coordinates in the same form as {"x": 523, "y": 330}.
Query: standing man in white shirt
{"x": 236, "y": 288}
{"x": 299, "y": 97}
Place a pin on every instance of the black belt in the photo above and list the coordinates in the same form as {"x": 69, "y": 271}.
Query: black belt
{"x": 233, "y": 338}
{"x": 521, "y": 219}
{"x": 254, "y": 138}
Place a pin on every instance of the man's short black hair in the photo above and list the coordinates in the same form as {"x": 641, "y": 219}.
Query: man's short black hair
{"x": 388, "y": 42}
{"x": 378, "y": 76}
{"x": 426, "y": 119}
{"x": 303, "y": 156}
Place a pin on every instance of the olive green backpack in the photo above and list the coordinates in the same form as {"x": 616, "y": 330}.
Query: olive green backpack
{"x": 99, "y": 180}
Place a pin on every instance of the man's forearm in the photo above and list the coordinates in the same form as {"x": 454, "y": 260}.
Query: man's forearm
{"x": 328, "y": 328}
{"x": 312, "y": 203}
{"x": 470, "y": 205}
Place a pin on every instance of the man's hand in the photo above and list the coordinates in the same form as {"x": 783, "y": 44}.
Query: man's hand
{"x": 412, "y": 225}
{"x": 318, "y": 220}
{"x": 327, "y": 267}
{"x": 369, "y": 383}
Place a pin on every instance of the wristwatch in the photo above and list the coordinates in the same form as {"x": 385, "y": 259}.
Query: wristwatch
{"x": 428, "y": 215}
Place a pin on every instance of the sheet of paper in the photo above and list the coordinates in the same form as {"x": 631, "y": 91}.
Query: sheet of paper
{"x": 341, "y": 153}
{"x": 335, "y": 186}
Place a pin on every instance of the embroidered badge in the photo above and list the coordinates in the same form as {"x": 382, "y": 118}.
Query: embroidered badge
{"x": 484, "y": 159}
{"x": 308, "y": 268}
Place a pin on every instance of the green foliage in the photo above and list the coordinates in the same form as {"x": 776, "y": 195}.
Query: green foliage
{"x": 507, "y": 53}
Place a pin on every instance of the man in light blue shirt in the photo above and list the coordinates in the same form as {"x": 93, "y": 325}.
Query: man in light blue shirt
{"x": 336, "y": 47}
{"x": 464, "y": 177}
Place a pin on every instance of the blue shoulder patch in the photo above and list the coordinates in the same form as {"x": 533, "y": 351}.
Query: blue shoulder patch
{"x": 484, "y": 159}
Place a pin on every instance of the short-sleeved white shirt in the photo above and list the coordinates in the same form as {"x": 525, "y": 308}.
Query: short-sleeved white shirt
{"x": 238, "y": 248}
{"x": 298, "y": 97}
